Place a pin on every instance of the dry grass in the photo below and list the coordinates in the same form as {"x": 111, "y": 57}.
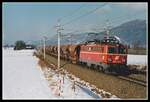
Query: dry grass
{"x": 42, "y": 64}
{"x": 138, "y": 76}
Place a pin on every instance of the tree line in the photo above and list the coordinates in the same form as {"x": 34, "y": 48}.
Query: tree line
{"x": 19, "y": 45}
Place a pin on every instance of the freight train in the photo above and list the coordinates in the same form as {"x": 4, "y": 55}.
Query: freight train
{"x": 107, "y": 54}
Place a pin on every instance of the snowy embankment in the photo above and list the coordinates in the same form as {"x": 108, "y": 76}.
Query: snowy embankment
{"x": 23, "y": 79}
{"x": 64, "y": 89}
{"x": 137, "y": 59}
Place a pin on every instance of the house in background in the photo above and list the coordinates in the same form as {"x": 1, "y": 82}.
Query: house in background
{"x": 29, "y": 46}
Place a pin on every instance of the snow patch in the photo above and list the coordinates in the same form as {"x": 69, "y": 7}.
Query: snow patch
{"x": 137, "y": 59}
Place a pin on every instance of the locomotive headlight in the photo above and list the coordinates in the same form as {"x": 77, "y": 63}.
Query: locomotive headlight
{"x": 103, "y": 57}
{"x": 117, "y": 57}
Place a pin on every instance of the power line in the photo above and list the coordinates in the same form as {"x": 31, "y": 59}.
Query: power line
{"x": 73, "y": 12}
{"x": 81, "y": 15}
{"x": 85, "y": 14}
{"x": 117, "y": 19}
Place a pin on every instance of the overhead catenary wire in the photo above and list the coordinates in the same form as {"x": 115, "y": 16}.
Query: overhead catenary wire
{"x": 117, "y": 19}
{"x": 122, "y": 17}
{"x": 73, "y": 12}
{"x": 83, "y": 15}
{"x": 68, "y": 15}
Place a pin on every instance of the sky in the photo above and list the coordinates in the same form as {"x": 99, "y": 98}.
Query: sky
{"x": 31, "y": 21}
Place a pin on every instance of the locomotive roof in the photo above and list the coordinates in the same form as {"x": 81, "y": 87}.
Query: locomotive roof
{"x": 109, "y": 40}
{"x": 104, "y": 44}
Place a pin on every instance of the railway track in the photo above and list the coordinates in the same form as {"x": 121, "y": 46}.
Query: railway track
{"x": 133, "y": 80}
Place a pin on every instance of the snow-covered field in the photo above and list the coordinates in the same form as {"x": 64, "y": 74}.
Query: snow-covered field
{"x": 21, "y": 76}
{"x": 137, "y": 59}
{"x": 23, "y": 79}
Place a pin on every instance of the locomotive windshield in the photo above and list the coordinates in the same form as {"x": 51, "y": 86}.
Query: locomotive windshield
{"x": 117, "y": 50}
{"x": 122, "y": 50}
{"x": 112, "y": 50}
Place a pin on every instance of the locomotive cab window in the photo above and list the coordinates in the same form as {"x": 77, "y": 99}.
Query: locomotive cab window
{"x": 122, "y": 50}
{"x": 111, "y": 50}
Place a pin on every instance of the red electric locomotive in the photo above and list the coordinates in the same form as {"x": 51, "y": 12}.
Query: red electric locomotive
{"x": 105, "y": 55}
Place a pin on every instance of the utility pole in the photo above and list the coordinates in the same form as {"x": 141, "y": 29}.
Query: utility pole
{"x": 44, "y": 46}
{"x": 59, "y": 34}
{"x": 40, "y": 47}
{"x": 107, "y": 30}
